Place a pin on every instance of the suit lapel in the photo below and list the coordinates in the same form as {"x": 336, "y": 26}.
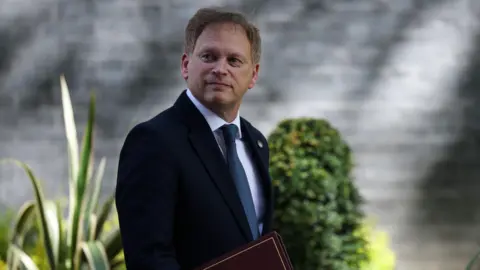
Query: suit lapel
{"x": 206, "y": 147}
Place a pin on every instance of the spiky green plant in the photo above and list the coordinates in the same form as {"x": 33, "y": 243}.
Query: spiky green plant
{"x": 79, "y": 239}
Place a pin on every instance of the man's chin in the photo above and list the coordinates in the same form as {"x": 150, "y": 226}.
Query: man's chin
{"x": 219, "y": 97}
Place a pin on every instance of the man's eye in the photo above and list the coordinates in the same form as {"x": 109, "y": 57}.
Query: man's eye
{"x": 206, "y": 57}
{"x": 235, "y": 61}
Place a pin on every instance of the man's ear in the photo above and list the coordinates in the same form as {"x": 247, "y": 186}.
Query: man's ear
{"x": 256, "y": 69}
{"x": 184, "y": 66}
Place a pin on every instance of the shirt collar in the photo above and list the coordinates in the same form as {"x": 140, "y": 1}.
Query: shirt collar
{"x": 213, "y": 120}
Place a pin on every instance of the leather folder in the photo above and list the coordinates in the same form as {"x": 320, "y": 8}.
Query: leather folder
{"x": 266, "y": 253}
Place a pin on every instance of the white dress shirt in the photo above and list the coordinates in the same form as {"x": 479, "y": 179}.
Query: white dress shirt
{"x": 215, "y": 123}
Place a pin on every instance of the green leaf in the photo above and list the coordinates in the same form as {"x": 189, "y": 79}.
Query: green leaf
{"x": 54, "y": 227}
{"x": 98, "y": 184}
{"x": 62, "y": 244}
{"x": 43, "y": 210}
{"x": 90, "y": 224}
{"x": 96, "y": 256}
{"x": 70, "y": 129}
{"x": 103, "y": 215}
{"x": 73, "y": 155}
{"x": 91, "y": 228}
{"x": 75, "y": 231}
{"x": 113, "y": 243}
{"x": 6, "y": 220}
{"x": 87, "y": 142}
{"x": 72, "y": 140}
{"x": 26, "y": 261}
{"x": 23, "y": 222}
{"x": 118, "y": 262}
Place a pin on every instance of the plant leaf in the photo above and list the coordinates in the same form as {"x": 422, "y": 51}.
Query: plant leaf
{"x": 89, "y": 225}
{"x": 117, "y": 262}
{"x": 104, "y": 214}
{"x": 93, "y": 202}
{"x": 73, "y": 155}
{"x": 70, "y": 129}
{"x": 54, "y": 227}
{"x": 95, "y": 255}
{"x": 62, "y": 244}
{"x": 26, "y": 261}
{"x": 42, "y": 210}
{"x": 22, "y": 224}
{"x": 87, "y": 145}
{"x": 76, "y": 229}
{"x": 113, "y": 243}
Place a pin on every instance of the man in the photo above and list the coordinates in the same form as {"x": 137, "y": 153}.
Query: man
{"x": 193, "y": 182}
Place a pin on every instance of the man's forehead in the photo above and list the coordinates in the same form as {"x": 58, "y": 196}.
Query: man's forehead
{"x": 208, "y": 40}
{"x": 222, "y": 30}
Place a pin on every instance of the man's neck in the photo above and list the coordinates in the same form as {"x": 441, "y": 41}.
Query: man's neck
{"x": 227, "y": 114}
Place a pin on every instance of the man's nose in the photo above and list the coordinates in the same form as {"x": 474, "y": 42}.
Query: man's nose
{"x": 220, "y": 67}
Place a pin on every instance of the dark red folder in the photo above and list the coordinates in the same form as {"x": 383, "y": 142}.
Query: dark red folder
{"x": 267, "y": 252}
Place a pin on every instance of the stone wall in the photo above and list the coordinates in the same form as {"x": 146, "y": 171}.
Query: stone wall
{"x": 397, "y": 77}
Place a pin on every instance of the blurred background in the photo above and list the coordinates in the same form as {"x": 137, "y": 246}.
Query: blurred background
{"x": 398, "y": 78}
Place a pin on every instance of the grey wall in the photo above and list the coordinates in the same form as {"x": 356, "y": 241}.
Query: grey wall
{"x": 399, "y": 78}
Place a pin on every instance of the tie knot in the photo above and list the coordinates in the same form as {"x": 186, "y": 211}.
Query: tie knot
{"x": 230, "y": 132}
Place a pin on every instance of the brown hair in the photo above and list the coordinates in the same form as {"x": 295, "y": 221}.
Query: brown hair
{"x": 206, "y": 16}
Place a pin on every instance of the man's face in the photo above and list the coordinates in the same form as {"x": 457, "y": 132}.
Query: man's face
{"x": 220, "y": 70}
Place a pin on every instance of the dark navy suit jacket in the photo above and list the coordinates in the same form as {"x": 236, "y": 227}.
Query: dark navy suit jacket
{"x": 176, "y": 201}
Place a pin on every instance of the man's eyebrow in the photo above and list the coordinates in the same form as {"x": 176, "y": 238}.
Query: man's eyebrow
{"x": 237, "y": 55}
{"x": 208, "y": 49}
{"x": 240, "y": 56}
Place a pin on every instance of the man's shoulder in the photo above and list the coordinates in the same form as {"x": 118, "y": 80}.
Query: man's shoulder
{"x": 163, "y": 125}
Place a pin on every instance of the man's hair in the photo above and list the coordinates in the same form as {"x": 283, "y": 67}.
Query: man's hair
{"x": 206, "y": 16}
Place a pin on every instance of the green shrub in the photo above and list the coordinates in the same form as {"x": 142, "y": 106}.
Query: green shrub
{"x": 317, "y": 206}
{"x": 42, "y": 238}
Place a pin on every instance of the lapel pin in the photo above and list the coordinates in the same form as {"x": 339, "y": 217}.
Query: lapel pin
{"x": 260, "y": 144}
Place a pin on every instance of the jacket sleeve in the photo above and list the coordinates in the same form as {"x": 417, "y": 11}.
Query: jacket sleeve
{"x": 145, "y": 197}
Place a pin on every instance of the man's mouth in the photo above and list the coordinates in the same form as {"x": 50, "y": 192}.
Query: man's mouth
{"x": 218, "y": 83}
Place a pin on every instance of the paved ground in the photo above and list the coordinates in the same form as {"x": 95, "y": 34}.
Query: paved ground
{"x": 395, "y": 79}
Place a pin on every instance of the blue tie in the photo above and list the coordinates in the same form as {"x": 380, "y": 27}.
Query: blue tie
{"x": 238, "y": 173}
